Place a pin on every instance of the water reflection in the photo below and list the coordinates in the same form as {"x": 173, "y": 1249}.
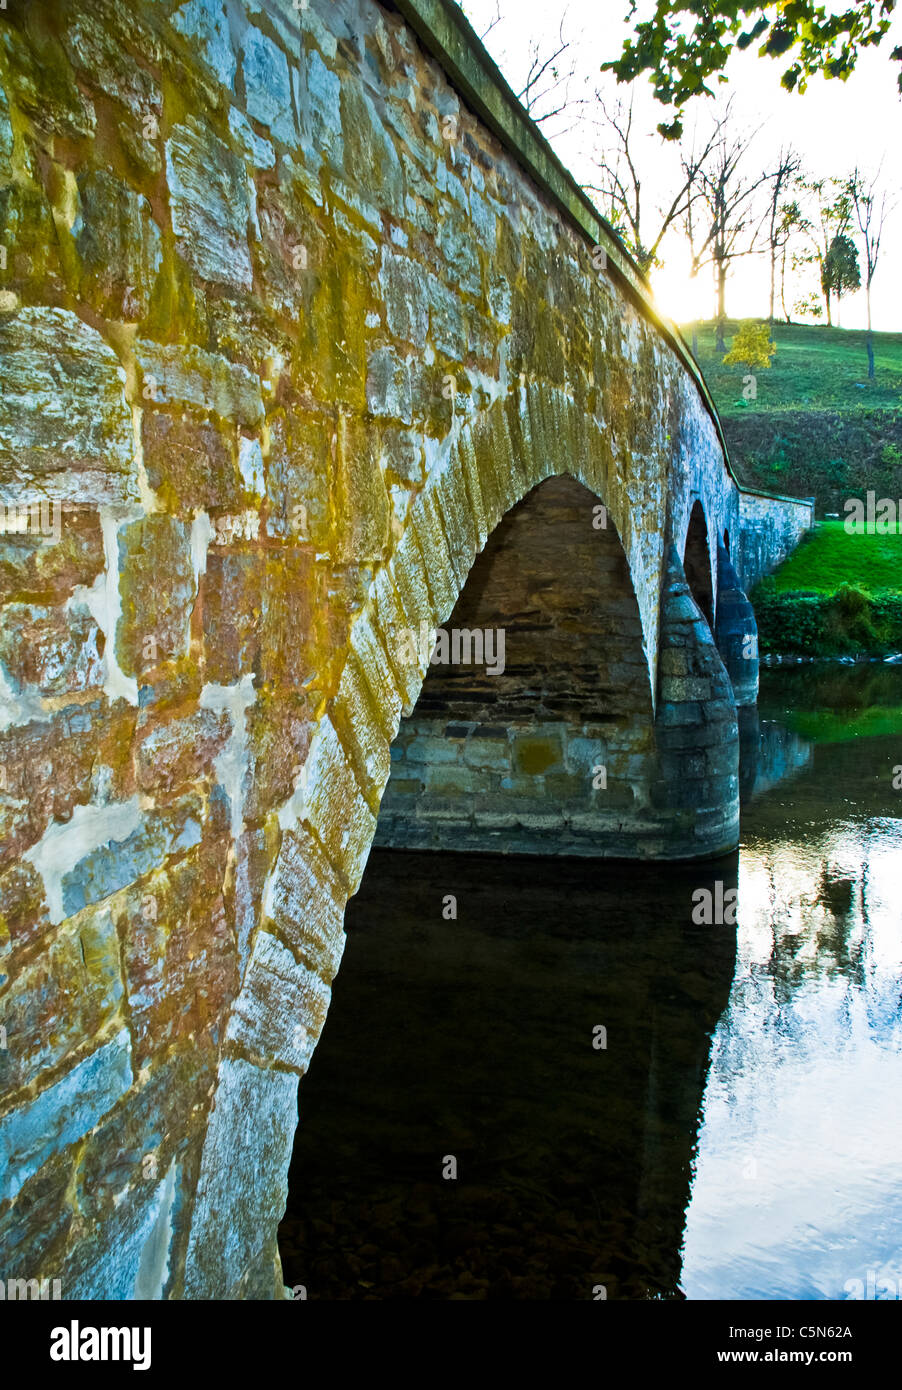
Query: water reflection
{"x": 797, "y": 1191}
{"x": 737, "y": 1137}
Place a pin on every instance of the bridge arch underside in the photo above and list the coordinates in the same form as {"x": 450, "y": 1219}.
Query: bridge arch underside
{"x": 535, "y": 730}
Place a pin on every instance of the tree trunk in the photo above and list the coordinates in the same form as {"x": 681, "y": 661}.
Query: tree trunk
{"x": 869, "y": 341}
{"x": 829, "y": 309}
{"x": 773, "y": 283}
{"x": 721, "y": 304}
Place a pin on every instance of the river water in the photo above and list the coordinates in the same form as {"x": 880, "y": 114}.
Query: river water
{"x": 574, "y": 1090}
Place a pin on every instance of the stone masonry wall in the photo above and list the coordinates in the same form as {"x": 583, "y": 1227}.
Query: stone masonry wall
{"x": 771, "y": 528}
{"x": 284, "y": 334}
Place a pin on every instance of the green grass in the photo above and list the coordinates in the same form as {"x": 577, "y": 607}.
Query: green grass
{"x": 829, "y": 557}
{"x": 816, "y": 368}
{"x": 836, "y": 595}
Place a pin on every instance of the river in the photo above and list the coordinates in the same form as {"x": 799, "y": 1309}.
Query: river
{"x": 573, "y": 1090}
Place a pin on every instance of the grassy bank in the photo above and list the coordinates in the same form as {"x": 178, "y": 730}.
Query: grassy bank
{"x": 837, "y": 595}
{"x": 818, "y": 427}
{"x": 815, "y": 369}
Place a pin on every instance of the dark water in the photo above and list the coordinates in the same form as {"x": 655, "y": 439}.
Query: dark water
{"x": 740, "y": 1133}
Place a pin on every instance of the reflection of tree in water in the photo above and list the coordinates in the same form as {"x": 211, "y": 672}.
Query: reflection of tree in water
{"x": 821, "y": 943}
{"x": 830, "y": 943}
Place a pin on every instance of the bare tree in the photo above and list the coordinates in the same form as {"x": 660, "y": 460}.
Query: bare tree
{"x": 546, "y": 88}
{"x": 730, "y": 224}
{"x": 779, "y": 225}
{"x": 871, "y": 212}
{"x": 546, "y": 91}
{"x": 495, "y": 22}
{"x": 623, "y": 191}
{"x": 792, "y": 224}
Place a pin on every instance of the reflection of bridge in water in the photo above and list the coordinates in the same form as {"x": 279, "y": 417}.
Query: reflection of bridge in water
{"x": 473, "y": 1038}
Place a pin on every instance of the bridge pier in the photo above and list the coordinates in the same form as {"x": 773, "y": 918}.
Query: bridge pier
{"x": 736, "y": 632}
{"x": 696, "y": 730}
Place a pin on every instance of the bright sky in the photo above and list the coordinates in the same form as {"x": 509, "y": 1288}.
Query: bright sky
{"x": 834, "y": 125}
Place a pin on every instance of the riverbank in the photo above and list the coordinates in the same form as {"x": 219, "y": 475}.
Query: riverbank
{"x": 838, "y": 595}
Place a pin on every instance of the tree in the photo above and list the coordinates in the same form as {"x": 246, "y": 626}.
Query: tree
{"x": 751, "y": 347}
{"x": 779, "y": 224}
{"x": 730, "y": 228}
{"x": 623, "y": 191}
{"x": 832, "y": 215}
{"x": 871, "y": 212}
{"x": 546, "y": 91}
{"x": 686, "y": 43}
{"x": 792, "y": 223}
{"x": 840, "y": 272}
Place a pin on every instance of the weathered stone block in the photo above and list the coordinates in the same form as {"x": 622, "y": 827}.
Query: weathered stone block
{"x": 174, "y": 752}
{"x": 323, "y": 109}
{"x": 71, "y": 992}
{"x": 191, "y": 464}
{"x": 330, "y": 799}
{"x": 389, "y": 390}
{"x": 56, "y": 650}
{"x": 65, "y": 426}
{"x": 267, "y": 84}
{"x": 280, "y": 1012}
{"x": 370, "y": 158}
{"x": 43, "y": 566}
{"x": 42, "y": 85}
{"x": 204, "y": 23}
{"x": 246, "y": 1150}
{"x": 368, "y": 645}
{"x": 231, "y": 603}
{"x": 119, "y": 246}
{"x": 361, "y": 496}
{"x": 116, "y": 863}
{"x": 278, "y": 740}
{"x": 300, "y": 469}
{"x": 56, "y": 765}
{"x": 306, "y": 902}
{"x": 175, "y": 374}
{"x": 64, "y": 1112}
{"x": 157, "y": 591}
{"x": 354, "y": 712}
{"x": 179, "y": 956}
{"x": 210, "y": 204}
{"x": 286, "y": 624}
{"x": 401, "y": 289}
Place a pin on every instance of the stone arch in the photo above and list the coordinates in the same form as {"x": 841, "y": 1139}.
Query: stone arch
{"x": 544, "y": 743}
{"x": 327, "y": 825}
{"x": 697, "y": 562}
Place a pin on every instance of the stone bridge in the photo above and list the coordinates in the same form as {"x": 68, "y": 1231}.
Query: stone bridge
{"x": 302, "y": 324}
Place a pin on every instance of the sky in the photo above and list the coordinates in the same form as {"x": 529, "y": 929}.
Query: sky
{"x": 834, "y": 125}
